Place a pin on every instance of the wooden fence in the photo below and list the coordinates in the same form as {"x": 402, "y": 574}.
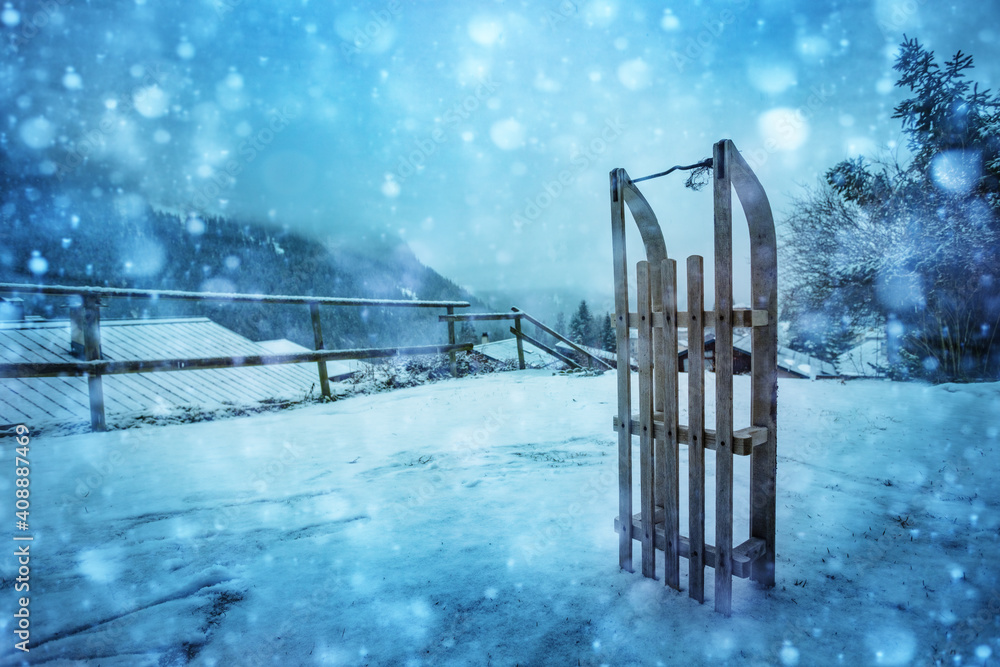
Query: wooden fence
{"x": 517, "y": 315}
{"x": 87, "y": 312}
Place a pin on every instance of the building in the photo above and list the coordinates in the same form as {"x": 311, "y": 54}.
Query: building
{"x": 506, "y": 350}
{"x": 791, "y": 363}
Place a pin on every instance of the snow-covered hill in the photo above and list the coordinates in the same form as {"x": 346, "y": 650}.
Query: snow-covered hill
{"x": 469, "y": 522}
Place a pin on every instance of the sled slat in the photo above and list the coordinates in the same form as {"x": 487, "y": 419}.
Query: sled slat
{"x": 696, "y": 428}
{"x": 723, "y": 380}
{"x": 669, "y": 463}
{"x": 646, "y": 472}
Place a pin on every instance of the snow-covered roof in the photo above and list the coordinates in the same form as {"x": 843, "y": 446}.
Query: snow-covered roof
{"x": 866, "y": 359}
{"x": 600, "y": 354}
{"x": 792, "y": 361}
{"x": 34, "y": 400}
{"x": 335, "y": 369}
{"x": 506, "y": 350}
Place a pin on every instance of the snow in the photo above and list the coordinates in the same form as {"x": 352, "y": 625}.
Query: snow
{"x": 37, "y": 132}
{"x": 485, "y": 31}
{"x": 869, "y": 359}
{"x": 507, "y": 134}
{"x": 783, "y": 128}
{"x": 10, "y": 17}
{"x": 771, "y": 77}
{"x": 469, "y": 521}
{"x": 957, "y": 171}
{"x": 152, "y": 101}
{"x": 506, "y": 350}
{"x": 336, "y": 369}
{"x": 635, "y": 74}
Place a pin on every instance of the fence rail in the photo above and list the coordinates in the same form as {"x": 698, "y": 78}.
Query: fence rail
{"x": 85, "y": 316}
{"x": 111, "y": 367}
{"x": 126, "y": 293}
{"x": 517, "y": 315}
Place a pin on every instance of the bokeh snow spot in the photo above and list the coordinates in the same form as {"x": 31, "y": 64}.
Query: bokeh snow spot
{"x": 390, "y": 188}
{"x": 144, "y": 257}
{"x": 669, "y": 22}
{"x": 600, "y": 13}
{"x": 507, "y": 134}
{"x": 485, "y": 30}
{"x": 892, "y": 645}
{"x": 185, "y": 50}
{"x": 783, "y": 128}
{"x": 957, "y": 170}
{"x": 770, "y": 77}
{"x": 10, "y": 17}
{"x": 38, "y": 265}
{"x": 99, "y": 566}
{"x": 37, "y": 132}
{"x": 813, "y": 47}
{"x": 789, "y": 654}
{"x": 71, "y": 80}
{"x": 152, "y": 101}
{"x": 635, "y": 74}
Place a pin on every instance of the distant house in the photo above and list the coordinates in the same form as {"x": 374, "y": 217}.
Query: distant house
{"x": 35, "y": 400}
{"x": 791, "y": 363}
{"x": 682, "y": 352}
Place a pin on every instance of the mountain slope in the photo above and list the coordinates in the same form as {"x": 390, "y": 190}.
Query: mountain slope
{"x": 76, "y": 238}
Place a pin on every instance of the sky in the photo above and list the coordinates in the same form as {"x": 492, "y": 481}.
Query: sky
{"x": 481, "y": 133}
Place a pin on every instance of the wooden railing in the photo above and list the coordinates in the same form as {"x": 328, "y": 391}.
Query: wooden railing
{"x": 517, "y": 315}
{"x": 87, "y": 312}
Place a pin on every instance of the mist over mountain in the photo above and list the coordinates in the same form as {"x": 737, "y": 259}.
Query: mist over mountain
{"x": 103, "y": 236}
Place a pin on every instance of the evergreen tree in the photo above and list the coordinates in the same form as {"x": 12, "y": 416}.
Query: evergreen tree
{"x": 916, "y": 245}
{"x": 608, "y": 337}
{"x": 581, "y": 325}
{"x": 560, "y": 326}
{"x": 467, "y": 333}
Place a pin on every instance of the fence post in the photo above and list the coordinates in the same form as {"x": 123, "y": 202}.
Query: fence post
{"x": 451, "y": 341}
{"x": 92, "y": 352}
{"x": 520, "y": 343}
{"x": 324, "y": 378}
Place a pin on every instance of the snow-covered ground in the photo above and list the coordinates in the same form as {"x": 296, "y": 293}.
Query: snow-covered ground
{"x": 469, "y": 522}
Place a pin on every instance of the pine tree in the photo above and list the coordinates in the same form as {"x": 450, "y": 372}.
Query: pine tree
{"x": 466, "y": 333}
{"x": 608, "y": 337}
{"x": 561, "y": 323}
{"x": 581, "y": 325}
{"x": 917, "y": 245}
